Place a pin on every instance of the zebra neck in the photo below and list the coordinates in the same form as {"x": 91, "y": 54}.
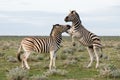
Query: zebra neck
{"x": 76, "y": 25}
{"x": 57, "y": 38}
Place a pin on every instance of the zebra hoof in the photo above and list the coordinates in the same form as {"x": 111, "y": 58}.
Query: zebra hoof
{"x": 88, "y": 66}
{"x": 96, "y": 67}
{"x": 27, "y": 68}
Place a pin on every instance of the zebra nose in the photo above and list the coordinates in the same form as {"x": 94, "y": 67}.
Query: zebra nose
{"x": 66, "y": 19}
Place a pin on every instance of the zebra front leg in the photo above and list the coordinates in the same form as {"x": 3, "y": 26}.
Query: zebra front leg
{"x": 91, "y": 52}
{"x": 51, "y": 59}
{"x": 54, "y": 58}
{"x": 96, "y": 50}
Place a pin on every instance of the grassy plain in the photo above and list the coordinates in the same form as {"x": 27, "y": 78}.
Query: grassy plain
{"x": 71, "y": 61}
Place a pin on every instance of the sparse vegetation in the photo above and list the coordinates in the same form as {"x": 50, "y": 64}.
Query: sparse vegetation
{"x": 55, "y": 72}
{"x": 71, "y": 62}
{"x": 38, "y": 77}
{"x": 109, "y": 70}
{"x": 17, "y": 74}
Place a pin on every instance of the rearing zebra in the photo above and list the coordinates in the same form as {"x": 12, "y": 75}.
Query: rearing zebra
{"x": 85, "y": 37}
{"x": 43, "y": 45}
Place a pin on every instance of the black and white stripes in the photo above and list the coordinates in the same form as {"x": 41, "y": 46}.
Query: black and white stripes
{"x": 84, "y": 36}
{"x": 43, "y": 45}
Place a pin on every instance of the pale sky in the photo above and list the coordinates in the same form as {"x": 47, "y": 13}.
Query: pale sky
{"x": 36, "y": 17}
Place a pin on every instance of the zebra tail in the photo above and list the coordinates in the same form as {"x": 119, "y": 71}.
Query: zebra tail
{"x": 101, "y": 54}
{"x": 19, "y": 53}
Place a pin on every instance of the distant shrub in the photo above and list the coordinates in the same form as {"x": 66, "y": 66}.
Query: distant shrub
{"x": 81, "y": 49}
{"x": 70, "y": 79}
{"x": 5, "y": 47}
{"x": 37, "y": 65}
{"x": 117, "y": 47}
{"x": 73, "y": 57}
{"x": 79, "y": 58}
{"x": 34, "y": 57}
{"x": 69, "y": 57}
{"x": 55, "y": 72}
{"x": 17, "y": 74}
{"x": 86, "y": 79}
{"x": 46, "y": 66}
{"x": 68, "y": 63}
{"x": 38, "y": 77}
{"x": 2, "y": 54}
{"x": 48, "y": 73}
{"x": 104, "y": 56}
{"x": 11, "y": 59}
{"x": 63, "y": 56}
{"x": 109, "y": 71}
{"x": 108, "y": 44}
{"x": 68, "y": 51}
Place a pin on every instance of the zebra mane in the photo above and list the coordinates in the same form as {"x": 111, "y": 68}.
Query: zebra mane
{"x": 73, "y": 11}
{"x": 53, "y": 28}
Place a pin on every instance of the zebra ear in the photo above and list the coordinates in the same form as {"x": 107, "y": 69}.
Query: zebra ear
{"x": 53, "y": 25}
{"x": 56, "y": 25}
{"x": 73, "y": 11}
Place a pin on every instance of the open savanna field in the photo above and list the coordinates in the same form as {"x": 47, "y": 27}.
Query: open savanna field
{"x": 71, "y": 61}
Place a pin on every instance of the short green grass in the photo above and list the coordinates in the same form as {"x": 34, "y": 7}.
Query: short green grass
{"x": 74, "y": 62}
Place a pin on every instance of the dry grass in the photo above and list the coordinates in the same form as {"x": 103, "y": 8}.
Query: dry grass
{"x": 71, "y": 62}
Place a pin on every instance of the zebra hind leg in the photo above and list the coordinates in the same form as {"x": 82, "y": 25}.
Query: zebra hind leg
{"x": 73, "y": 41}
{"x": 91, "y": 54}
{"x": 23, "y": 64}
{"x": 24, "y": 60}
{"x": 96, "y": 51}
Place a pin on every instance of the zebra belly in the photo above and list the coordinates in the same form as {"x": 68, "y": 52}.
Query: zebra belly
{"x": 85, "y": 42}
{"x": 44, "y": 49}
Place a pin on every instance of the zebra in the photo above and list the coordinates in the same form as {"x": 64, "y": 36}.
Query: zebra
{"x": 42, "y": 45}
{"x": 85, "y": 37}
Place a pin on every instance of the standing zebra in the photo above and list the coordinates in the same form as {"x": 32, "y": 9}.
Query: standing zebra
{"x": 43, "y": 45}
{"x": 85, "y": 37}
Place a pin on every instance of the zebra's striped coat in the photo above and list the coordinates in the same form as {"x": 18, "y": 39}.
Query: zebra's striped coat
{"x": 85, "y": 37}
{"x": 43, "y": 45}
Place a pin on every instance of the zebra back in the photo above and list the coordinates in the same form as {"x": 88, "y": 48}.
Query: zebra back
{"x": 44, "y": 45}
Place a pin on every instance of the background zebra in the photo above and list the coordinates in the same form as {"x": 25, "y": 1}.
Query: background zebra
{"x": 43, "y": 45}
{"x": 85, "y": 37}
